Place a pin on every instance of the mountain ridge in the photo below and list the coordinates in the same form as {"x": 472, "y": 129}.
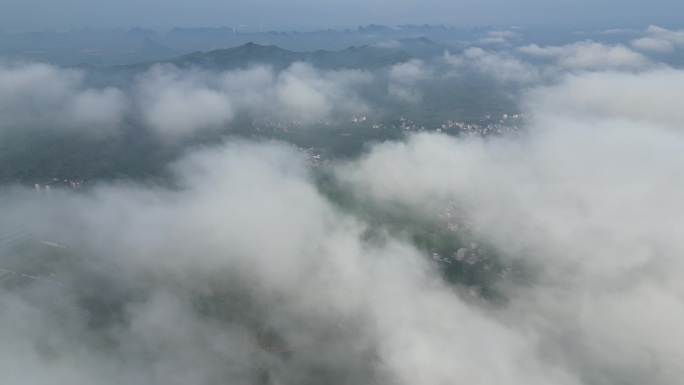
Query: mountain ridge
{"x": 361, "y": 57}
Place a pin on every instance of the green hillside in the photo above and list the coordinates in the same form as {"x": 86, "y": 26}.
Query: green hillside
{"x": 364, "y": 57}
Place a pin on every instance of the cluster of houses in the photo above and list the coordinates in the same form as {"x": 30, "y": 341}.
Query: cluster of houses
{"x": 58, "y": 183}
{"x": 314, "y": 158}
{"x": 487, "y": 126}
{"x": 474, "y": 257}
{"x": 404, "y": 124}
{"x": 468, "y": 257}
{"x": 268, "y": 125}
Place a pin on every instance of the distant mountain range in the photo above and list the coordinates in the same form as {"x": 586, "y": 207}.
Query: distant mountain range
{"x": 364, "y": 57}
{"x": 138, "y": 45}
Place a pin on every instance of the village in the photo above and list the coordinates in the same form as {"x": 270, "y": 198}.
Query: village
{"x": 486, "y": 125}
{"x": 472, "y": 264}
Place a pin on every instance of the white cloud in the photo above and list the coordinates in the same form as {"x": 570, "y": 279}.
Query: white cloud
{"x": 308, "y": 94}
{"x": 499, "y": 65}
{"x": 659, "y": 40}
{"x": 174, "y": 103}
{"x": 493, "y": 40}
{"x": 590, "y": 198}
{"x": 650, "y": 97}
{"x": 653, "y": 44}
{"x": 392, "y": 44}
{"x": 498, "y": 37}
{"x": 617, "y": 31}
{"x": 589, "y": 55}
{"x": 33, "y": 94}
{"x": 244, "y": 251}
{"x": 504, "y": 34}
{"x": 404, "y": 79}
{"x": 247, "y": 215}
{"x": 99, "y": 107}
{"x": 533, "y": 64}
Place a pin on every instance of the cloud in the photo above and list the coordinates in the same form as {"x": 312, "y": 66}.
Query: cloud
{"x": 589, "y": 197}
{"x": 309, "y": 94}
{"x": 404, "y": 79}
{"x": 242, "y": 269}
{"x": 173, "y": 102}
{"x": 618, "y": 31}
{"x": 659, "y": 40}
{"x": 246, "y": 235}
{"x": 589, "y": 55}
{"x": 504, "y": 34}
{"x": 532, "y": 64}
{"x": 493, "y": 40}
{"x": 99, "y": 107}
{"x": 392, "y": 44}
{"x": 653, "y": 45}
{"x": 33, "y": 94}
{"x": 498, "y": 37}
{"x": 648, "y": 97}
{"x": 501, "y": 66}
{"x": 181, "y": 102}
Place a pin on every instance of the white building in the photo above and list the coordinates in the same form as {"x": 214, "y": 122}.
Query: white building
{"x": 475, "y": 291}
{"x": 460, "y": 254}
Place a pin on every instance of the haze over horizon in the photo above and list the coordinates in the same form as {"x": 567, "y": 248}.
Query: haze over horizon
{"x": 290, "y": 15}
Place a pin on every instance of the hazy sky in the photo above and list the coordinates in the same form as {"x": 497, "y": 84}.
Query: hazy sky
{"x": 306, "y": 15}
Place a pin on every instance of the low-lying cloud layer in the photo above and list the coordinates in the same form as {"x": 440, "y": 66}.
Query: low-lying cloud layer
{"x": 660, "y": 40}
{"x": 404, "y": 78}
{"x": 244, "y": 272}
{"x": 175, "y": 102}
{"x": 589, "y": 55}
{"x": 649, "y": 97}
{"x": 43, "y": 95}
{"x": 532, "y": 64}
{"x": 591, "y": 196}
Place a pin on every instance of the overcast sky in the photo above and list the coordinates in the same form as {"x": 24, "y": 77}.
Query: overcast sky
{"x": 306, "y": 15}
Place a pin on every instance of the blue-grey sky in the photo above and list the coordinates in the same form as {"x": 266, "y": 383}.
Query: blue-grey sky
{"x": 336, "y": 14}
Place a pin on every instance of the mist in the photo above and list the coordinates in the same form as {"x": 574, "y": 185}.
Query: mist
{"x": 242, "y": 268}
{"x": 174, "y": 102}
{"x": 589, "y": 196}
